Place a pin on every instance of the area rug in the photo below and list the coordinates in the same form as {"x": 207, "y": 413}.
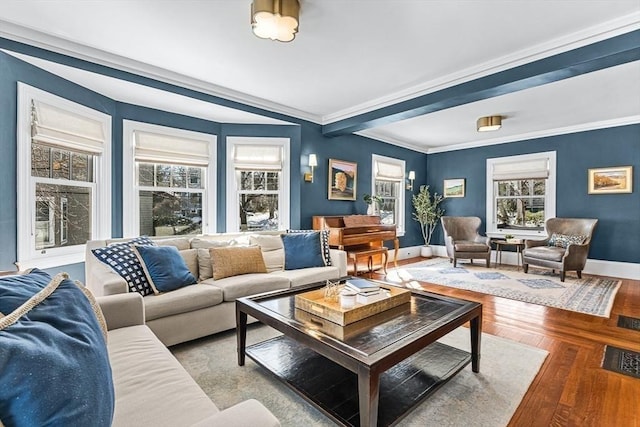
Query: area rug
{"x": 540, "y": 286}
{"x": 486, "y": 399}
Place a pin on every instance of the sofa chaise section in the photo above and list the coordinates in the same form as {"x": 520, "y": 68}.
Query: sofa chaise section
{"x": 151, "y": 387}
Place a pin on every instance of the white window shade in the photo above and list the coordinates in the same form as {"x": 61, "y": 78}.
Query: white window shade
{"x": 156, "y": 148}
{"x": 531, "y": 169}
{"x": 388, "y": 171}
{"x": 60, "y": 128}
{"x": 257, "y": 157}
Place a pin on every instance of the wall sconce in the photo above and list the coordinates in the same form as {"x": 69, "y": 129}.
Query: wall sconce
{"x": 313, "y": 162}
{"x": 412, "y": 177}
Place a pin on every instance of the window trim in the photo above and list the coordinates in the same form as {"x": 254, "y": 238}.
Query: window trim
{"x": 27, "y": 255}
{"x": 233, "y": 216}
{"x": 130, "y": 187}
{"x": 549, "y": 201}
{"x": 400, "y": 225}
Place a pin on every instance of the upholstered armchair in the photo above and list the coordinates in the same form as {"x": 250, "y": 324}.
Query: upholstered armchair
{"x": 565, "y": 248}
{"x": 463, "y": 240}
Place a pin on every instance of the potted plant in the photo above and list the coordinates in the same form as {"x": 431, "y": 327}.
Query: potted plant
{"x": 427, "y": 214}
{"x": 373, "y": 203}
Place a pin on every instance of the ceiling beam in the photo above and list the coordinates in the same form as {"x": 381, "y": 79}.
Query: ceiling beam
{"x": 607, "y": 53}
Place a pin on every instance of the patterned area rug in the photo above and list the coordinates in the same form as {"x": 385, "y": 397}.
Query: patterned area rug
{"x": 486, "y": 399}
{"x": 588, "y": 295}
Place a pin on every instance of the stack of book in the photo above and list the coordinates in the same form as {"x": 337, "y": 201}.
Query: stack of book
{"x": 366, "y": 291}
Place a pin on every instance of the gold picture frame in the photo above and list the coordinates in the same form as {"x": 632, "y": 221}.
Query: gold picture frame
{"x": 454, "y": 187}
{"x": 343, "y": 176}
{"x": 617, "y": 179}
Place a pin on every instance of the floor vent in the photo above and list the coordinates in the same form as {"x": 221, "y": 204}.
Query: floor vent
{"x": 623, "y": 361}
{"x": 629, "y": 322}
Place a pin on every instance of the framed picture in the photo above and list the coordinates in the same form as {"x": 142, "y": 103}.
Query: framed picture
{"x": 617, "y": 179}
{"x": 454, "y": 187}
{"x": 342, "y": 180}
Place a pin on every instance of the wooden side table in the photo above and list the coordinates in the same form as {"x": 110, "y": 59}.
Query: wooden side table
{"x": 519, "y": 245}
{"x": 367, "y": 252}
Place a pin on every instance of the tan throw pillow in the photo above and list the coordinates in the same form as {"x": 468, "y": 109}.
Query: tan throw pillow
{"x": 272, "y": 251}
{"x": 204, "y": 259}
{"x": 190, "y": 257}
{"x": 236, "y": 260}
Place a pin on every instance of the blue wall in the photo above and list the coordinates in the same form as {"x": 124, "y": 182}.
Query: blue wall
{"x": 616, "y": 236}
{"x": 306, "y": 199}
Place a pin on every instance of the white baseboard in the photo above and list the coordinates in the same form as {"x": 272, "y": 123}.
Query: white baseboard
{"x": 621, "y": 270}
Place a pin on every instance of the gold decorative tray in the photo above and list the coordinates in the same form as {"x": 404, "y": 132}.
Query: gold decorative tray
{"x": 315, "y": 303}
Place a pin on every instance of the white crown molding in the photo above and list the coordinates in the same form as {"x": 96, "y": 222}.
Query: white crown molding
{"x": 622, "y": 121}
{"x": 371, "y": 134}
{"x": 575, "y": 40}
{"x": 36, "y": 38}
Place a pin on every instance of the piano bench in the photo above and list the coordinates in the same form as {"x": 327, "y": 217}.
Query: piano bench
{"x": 356, "y": 254}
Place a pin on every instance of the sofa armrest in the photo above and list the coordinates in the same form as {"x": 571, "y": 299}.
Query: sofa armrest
{"x": 122, "y": 310}
{"x": 249, "y": 413}
{"x": 339, "y": 259}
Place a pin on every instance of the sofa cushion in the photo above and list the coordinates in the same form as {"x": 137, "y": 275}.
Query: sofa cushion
{"x": 53, "y": 356}
{"x": 309, "y": 275}
{"x": 180, "y": 243}
{"x": 190, "y": 257}
{"x": 236, "y": 260}
{"x": 469, "y": 246}
{"x": 152, "y": 388}
{"x": 272, "y": 251}
{"x": 183, "y": 300}
{"x": 121, "y": 258}
{"x": 204, "y": 258}
{"x": 564, "y": 240}
{"x": 549, "y": 253}
{"x": 302, "y": 250}
{"x": 164, "y": 267}
{"x": 324, "y": 243}
{"x": 248, "y": 284}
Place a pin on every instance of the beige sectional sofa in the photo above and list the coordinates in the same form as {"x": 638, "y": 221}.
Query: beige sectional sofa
{"x": 151, "y": 387}
{"x": 206, "y": 308}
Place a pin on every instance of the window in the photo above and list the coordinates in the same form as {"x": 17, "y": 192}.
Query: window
{"x": 388, "y": 184}
{"x": 520, "y": 193}
{"x": 257, "y": 184}
{"x": 64, "y": 196}
{"x": 168, "y": 181}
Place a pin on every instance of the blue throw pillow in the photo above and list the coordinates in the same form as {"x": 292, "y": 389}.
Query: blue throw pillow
{"x": 165, "y": 268}
{"x": 302, "y": 250}
{"x": 324, "y": 243}
{"x": 54, "y": 366}
{"x": 121, "y": 258}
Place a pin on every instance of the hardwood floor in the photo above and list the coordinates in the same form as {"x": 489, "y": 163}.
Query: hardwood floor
{"x": 571, "y": 388}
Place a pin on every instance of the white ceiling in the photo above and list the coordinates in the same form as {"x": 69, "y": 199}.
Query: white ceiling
{"x": 350, "y": 56}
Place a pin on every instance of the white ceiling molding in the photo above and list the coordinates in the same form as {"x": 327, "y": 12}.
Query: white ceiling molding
{"x": 33, "y": 37}
{"x": 622, "y": 121}
{"x": 578, "y": 39}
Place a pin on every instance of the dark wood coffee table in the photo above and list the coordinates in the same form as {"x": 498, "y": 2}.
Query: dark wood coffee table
{"x": 369, "y": 373}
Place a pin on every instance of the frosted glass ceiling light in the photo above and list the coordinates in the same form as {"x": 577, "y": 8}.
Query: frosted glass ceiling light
{"x": 275, "y": 19}
{"x": 486, "y": 124}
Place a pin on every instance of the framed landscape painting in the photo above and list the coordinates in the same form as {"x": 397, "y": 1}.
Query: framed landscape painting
{"x": 611, "y": 180}
{"x": 342, "y": 180}
{"x": 454, "y": 187}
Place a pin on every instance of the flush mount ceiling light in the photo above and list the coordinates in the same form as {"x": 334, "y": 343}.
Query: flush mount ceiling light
{"x": 489, "y": 123}
{"x": 275, "y": 19}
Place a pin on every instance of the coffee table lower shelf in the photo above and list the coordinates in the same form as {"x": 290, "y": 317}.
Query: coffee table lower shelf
{"x": 334, "y": 389}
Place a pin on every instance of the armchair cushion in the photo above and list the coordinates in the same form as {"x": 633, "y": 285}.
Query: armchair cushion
{"x": 466, "y": 246}
{"x": 548, "y": 253}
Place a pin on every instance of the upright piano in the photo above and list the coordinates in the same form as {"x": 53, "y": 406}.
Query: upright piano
{"x": 350, "y": 231}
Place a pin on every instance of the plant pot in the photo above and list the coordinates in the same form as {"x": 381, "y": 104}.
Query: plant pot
{"x": 426, "y": 252}
{"x": 371, "y": 210}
